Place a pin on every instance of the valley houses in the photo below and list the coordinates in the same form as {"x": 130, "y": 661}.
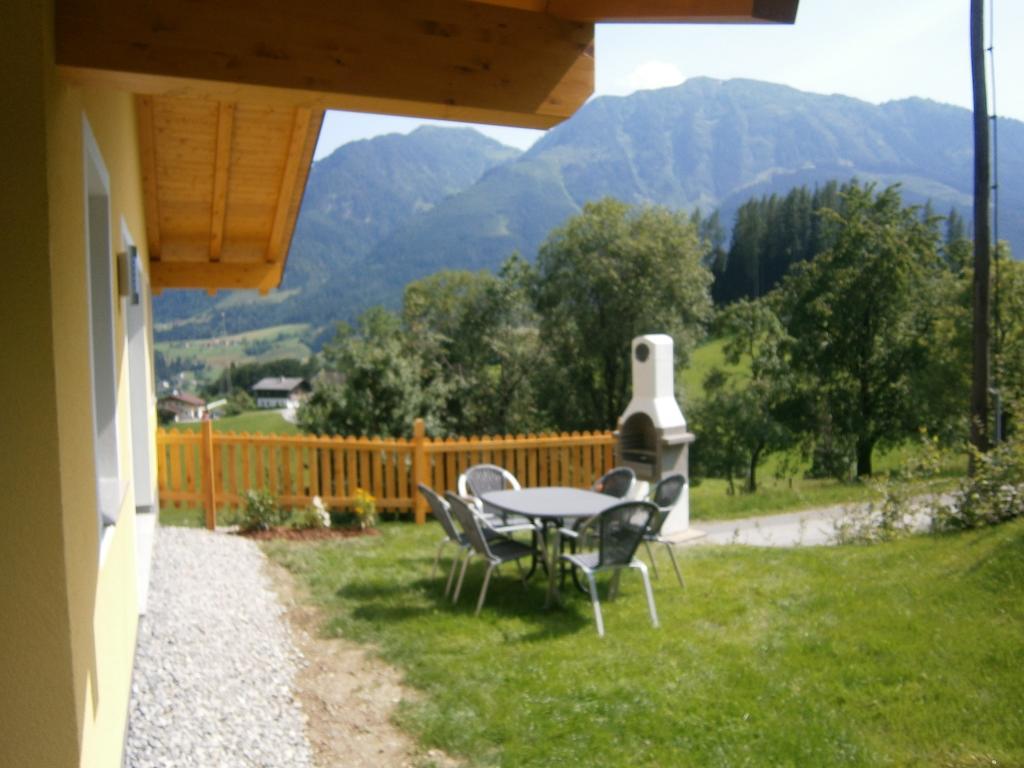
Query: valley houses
{"x": 165, "y": 145}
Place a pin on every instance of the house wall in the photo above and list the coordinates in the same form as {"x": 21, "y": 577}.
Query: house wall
{"x": 69, "y": 619}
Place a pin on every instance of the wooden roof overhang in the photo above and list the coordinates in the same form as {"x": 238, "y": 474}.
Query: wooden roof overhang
{"x": 231, "y": 94}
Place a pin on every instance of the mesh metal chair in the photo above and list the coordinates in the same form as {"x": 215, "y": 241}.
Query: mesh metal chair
{"x": 620, "y": 529}
{"x": 666, "y": 494}
{"x": 494, "y": 551}
{"x": 443, "y": 515}
{"x": 617, "y": 482}
{"x": 484, "y": 478}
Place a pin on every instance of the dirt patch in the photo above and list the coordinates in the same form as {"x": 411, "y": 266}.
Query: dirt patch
{"x": 348, "y": 694}
{"x": 308, "y": 534}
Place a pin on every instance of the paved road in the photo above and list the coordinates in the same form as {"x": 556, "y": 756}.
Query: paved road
{"x": 811, "y": 527}
{"x": 808, "y": 528}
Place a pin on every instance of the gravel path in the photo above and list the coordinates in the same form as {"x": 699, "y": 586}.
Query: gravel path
{"x": 215, "y": 665}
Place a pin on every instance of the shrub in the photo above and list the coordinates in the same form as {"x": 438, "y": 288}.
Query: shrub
{"x": 305, "y": 519}
{"x": 313, "y": 516}
{"x": 899, "y": 510}
{"x": 261, "y": 511}
{"x": 994, "y": 495}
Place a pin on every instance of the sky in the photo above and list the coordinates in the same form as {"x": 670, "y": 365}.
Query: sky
{"x": 875, "y": 50}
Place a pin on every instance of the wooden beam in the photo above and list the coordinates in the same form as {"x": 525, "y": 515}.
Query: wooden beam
{"x": 222, "y": 164}
{"x": 286, "y": 190}
{"x": 433, "y": 58}
{"x": 305, "y": 132}
{"x": 679, "y": 11}
{"x": 147, "y": 161}
{"x": 207, "y": 275}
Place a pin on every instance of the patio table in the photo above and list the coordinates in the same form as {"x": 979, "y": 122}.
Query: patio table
{"x": 551, "y": 507}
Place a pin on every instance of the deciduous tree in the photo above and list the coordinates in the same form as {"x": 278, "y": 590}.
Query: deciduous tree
{"x": 860, "y": 321}
{"x": 612, "y": 273}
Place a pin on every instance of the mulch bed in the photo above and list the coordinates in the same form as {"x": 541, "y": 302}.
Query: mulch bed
{"x": 309, "y": 534}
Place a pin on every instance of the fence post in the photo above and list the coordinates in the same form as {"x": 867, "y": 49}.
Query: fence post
{"x": 209, "y": 483}
{"x": 419, "y": 470}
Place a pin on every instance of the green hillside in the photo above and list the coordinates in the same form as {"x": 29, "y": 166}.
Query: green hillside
{"x": 272, "y": 343}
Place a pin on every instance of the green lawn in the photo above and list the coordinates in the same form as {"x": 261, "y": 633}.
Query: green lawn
{"x": 265, "y": 422}
{"x": 710, "y": 499}
{"x": 909, "y": 653}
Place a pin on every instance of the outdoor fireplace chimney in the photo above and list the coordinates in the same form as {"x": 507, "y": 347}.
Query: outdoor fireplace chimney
{"x": 652, "y": 438}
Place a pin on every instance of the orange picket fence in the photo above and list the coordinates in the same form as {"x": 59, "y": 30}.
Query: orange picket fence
{"x": 295, "y": 469}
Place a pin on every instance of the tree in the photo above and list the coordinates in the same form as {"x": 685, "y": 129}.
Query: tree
{"x": 476, "y": 335}
{"x": 611, "y": 273}
{"x": 859, "y": 319}
{"x": 738, "y": 418}
{"x": 771, "y": 234}
{"x": 381, "y": 393}
{"x": 1008, "y": 362}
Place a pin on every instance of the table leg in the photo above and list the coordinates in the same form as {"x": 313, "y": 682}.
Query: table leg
{"x": 552, "y": 550}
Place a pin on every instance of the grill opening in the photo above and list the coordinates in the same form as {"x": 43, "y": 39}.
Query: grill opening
{"x": 638, "y": 439}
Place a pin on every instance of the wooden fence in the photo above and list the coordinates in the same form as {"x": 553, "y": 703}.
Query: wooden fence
{"x": 295, "y": 469}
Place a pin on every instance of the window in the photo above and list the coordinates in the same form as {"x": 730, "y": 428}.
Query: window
{"x": 100, "y": 265}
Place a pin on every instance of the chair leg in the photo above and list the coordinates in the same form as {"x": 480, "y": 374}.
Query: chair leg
{"x": 597, "y": 605}
{"x": 613, "y": 585}
{"x": 462, "y": 575}
{"x": 650, "y": 554}
{"x": 522, "y": 573}
{"x": 672, "y": 556}
{"x": 437, "y": 557}
{"x": 451, "y": 571}
{"x": 647, "y": 588}
{"x": 483, "y": 589}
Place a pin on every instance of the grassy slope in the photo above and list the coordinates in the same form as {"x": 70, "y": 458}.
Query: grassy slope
{"x": 263, "y": 422}
{"x": 910, "y": 653}
{"x": 705, "y": 357}
{"x": 286, "y": 341}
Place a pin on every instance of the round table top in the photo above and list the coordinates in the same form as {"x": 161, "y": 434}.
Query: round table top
{"x": 551, "y": 503}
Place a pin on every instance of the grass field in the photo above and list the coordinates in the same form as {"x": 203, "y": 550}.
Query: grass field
{"x": 261, "y": 422}
{"x": 903, "y": 654}
{"x": 705, "y": 357}
{"x": 271, "y": 343}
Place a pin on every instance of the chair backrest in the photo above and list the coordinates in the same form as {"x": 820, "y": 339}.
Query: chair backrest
{"x": 616, "y": 482}
{"x": 666, "y": 494}
{"x": 467, "y": 519}
{"x": 484, "y": 478}
{"x": 667, "y": 491}
{"x": 441, "y": 511}
{"x": 621, "y": 529}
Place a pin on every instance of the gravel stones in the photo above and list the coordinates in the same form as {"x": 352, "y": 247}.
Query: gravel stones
{"x": 215, "y": 665}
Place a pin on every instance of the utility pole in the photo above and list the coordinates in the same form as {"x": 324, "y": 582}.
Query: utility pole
{"x": 980, "y": 336}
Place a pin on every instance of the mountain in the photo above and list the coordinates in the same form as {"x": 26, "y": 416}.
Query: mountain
{"x": 706, "y": 143}
{"x": 355, "y": 197}
{"x": 380, "y": 213}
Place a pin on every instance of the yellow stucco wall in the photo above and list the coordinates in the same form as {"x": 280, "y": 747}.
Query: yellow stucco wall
{"x": 67, "y": 620}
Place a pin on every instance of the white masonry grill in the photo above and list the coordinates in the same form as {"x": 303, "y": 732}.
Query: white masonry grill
{"x": 652, "y": 438}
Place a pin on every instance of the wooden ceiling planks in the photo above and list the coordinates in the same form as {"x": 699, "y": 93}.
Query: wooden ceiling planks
{"x": 222, "y": 184}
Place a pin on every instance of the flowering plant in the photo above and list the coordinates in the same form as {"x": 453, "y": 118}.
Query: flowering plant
{"x": 365, "y": 507}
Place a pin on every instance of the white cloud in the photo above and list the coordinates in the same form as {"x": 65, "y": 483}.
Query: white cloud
{"x": 651, "y": 74}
